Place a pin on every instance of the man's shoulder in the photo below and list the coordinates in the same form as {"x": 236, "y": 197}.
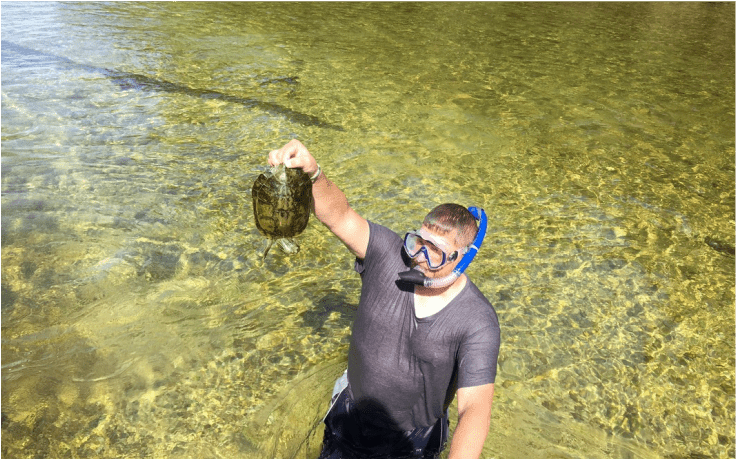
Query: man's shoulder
{"x": 479, "y": 311}
{"x": 381, "y": 238}
{"x": 382, "y": 252}
{"x": 381, "y": 232}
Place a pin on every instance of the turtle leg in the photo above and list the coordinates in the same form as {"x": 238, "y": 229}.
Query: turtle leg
{"x": 288, "y": 245}
{"x": 268, "y": 246}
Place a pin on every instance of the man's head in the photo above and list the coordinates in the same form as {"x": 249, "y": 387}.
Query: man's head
{"x": 445, "y": 235}
{"x": 452, "y": 221}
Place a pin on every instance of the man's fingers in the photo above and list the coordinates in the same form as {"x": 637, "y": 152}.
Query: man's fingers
{"x": 274, "y": 158}
{"x": 293, "y": 155}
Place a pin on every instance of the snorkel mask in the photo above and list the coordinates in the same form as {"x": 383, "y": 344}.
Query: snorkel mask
{"x": 435, "y": 252}
{"x": 417, "y": 277}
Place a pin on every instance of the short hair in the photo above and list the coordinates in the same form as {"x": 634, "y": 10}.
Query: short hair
{"x": 450, "y": 217}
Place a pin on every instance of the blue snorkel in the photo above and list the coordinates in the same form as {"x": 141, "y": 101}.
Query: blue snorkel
{"x": 416, "y": 277}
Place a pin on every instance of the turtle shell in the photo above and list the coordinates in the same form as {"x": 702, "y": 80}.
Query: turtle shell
{"x": 281, "y": 202}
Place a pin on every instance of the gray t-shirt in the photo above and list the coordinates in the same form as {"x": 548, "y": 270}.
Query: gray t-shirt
{"x": 404, "y": 371}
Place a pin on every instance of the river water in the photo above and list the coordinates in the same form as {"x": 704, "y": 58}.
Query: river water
{"x": 139, "y": 319}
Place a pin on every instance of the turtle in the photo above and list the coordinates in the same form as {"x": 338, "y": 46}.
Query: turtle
{"x": 281, "y": 206}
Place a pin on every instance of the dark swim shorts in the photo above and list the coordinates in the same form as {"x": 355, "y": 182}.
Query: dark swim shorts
{"x": 349, "y": 435}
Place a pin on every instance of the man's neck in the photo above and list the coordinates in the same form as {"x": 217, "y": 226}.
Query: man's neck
{"x": 429, "y": 301}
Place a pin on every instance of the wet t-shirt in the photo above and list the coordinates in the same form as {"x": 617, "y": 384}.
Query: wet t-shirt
{"x": 403, "y": 370}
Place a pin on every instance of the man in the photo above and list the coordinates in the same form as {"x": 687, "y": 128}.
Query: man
{"x": 414, "y": 343}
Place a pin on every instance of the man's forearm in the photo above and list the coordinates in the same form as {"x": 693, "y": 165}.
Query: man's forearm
{"x": 331, "y": 204}
{"x": 470, "y": 435}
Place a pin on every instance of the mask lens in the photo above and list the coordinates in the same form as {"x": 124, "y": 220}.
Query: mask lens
{"x": 414, "y": 244}
{"x": 435, "y": 255}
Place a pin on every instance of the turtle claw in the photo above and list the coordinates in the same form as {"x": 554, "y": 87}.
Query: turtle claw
{"x": 288, "y": 245}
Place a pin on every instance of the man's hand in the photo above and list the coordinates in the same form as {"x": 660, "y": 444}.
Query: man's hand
{"x": 294, "y": 155}
{"x": 474, "y": 417}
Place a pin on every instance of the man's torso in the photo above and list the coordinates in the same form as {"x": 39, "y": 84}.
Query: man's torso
{"x": 404, "y": 369}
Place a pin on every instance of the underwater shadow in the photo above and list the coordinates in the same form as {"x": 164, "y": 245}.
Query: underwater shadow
{"x": 132, "y": 81}
{"x": 333, "y": 301}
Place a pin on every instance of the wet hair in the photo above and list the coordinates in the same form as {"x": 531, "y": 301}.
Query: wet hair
{"x": 450, "y": 217}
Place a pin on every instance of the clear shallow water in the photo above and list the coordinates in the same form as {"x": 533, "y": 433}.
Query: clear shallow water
{"x": 138, "y": 319}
